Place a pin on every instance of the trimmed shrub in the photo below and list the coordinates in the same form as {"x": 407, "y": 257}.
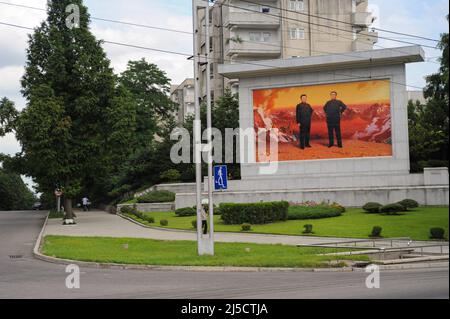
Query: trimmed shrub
{"x": 409, "y": 204}
{"x": 246, "y": 227}
{"x": 133, "y": 211}
{"x": 376, "y": 231}
{"x": 392, "y": 209}
{"x": 308, "y": 229}
{"x": 148, "y": 219}
{"x": 157, "y": 197}
{"x": 372, "y": 208}
{"x": 313, "y": 212}
{"x": 254, "y": 213}
{"x": 127, "y": 210}
{"x": 164, "y": 222}
{"x": 184, "y": 212}
{"x": 338, "y": 207}
{"x": 171, "y": 175}
{"x": 437, "y": 233}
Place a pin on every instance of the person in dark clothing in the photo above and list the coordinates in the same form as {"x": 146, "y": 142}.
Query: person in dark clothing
{"x": 304, "y": 113}
{"x": 334, "y": 110}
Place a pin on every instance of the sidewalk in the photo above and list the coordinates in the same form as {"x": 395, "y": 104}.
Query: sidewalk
{"x": 102, "y": 224}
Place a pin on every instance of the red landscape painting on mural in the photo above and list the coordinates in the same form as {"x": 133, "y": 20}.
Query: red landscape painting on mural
{"x": 370, "y": 123}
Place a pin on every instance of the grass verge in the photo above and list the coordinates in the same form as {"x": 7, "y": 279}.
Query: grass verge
{"x": 184, "y": 253}
{"x": 354, "y": 223}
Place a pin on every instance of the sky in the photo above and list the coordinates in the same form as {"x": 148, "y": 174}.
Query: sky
{"x": 425, "y": 18}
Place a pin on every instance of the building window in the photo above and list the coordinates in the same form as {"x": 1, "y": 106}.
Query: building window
{"x": 260, "y": 36}
{"x": 296, "y": 5}
{"x": 297, "y": 33}
{"x": 211, "y": 69}
{"x": 266, "y": 36}
{"x": 255, "y": 36}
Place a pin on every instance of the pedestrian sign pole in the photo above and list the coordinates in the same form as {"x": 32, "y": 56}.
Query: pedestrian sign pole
{"x": 205, "y": 245}
{"x": 220, "y": 178}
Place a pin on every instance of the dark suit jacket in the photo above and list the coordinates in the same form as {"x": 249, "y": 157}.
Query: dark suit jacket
{"x": 304, "y": 113}
{"x": 333, "y": 109}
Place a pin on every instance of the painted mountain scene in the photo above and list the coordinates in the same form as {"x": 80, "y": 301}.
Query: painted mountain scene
{"x": 365, "y": 125}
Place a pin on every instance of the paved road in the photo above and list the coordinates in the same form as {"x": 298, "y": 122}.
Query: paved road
{"x": 30, "y": 278}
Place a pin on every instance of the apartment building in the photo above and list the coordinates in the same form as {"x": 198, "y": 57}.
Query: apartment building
{"x": 253, "y": 30}
{"x": 183, "y": 95}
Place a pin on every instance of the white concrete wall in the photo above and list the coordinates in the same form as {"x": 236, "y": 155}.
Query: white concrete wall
{"x": 351, "y": 197}
{"x": 150, "y": 207}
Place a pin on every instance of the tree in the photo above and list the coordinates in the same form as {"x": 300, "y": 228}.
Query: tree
{"x": 8, "y": 114}
{"x": 153, "y": 114}
{"x": 14, "y": 194}
{"x": 225, "y": 115}
{"x": 429, "y": 123}
{"x": 66, "y": 131}
{"x": 437, "y": 84}
{"x": 149, "y": 87}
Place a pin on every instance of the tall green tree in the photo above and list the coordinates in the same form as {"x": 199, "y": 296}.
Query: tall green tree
{"x": 153, "y": 113}
{"x": 225, "y": 115}
{"x": 150, "y": 88}
{"x": 14, "y": 194}
{"x": 429, "y": 123}
{"x": 8, "y": 114}
{"x": 69, "y": 131}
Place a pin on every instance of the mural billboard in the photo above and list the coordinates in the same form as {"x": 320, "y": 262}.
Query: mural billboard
{"x": 329, "y": 121}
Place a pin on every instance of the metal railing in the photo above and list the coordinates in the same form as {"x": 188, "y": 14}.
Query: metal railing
{"x": 387, "y": 245}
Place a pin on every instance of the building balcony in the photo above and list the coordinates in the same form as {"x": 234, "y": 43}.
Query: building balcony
{"x": 252, "y": 49}
{"x": 252, "y": 20}
{"x": 365, "y": 41}
{"x": 189, "y": 98}
{"x": 363, "y": 19}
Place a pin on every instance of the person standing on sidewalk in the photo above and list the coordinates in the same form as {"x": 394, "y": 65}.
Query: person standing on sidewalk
{"x": 204, "y": 216}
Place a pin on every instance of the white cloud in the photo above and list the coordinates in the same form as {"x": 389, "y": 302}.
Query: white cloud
{"x": 9, "y": 145}
{"x": 10, "y": 77}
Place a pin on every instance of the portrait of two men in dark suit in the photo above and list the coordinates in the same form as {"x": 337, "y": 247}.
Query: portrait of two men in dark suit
{"x": 333, "y": 109}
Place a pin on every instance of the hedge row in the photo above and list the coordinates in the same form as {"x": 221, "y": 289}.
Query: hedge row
{"x": 128, "y": 210}
{"x": 391, "y": 209}
{"x": 192, "y": 211}
{"x": 184, "y": 212}
{"x": 157, "y": 197}
{"x": 254, "y": 213}
{"x": 315, "y": 212}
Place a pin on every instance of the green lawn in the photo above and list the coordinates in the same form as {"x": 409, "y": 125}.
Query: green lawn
{"x": 353, "y": 224}
{"x": 154, "y": 252}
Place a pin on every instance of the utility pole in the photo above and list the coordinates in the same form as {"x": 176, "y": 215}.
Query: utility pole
{"x": 209, "y": 128}
{"x": 205, "y": 246}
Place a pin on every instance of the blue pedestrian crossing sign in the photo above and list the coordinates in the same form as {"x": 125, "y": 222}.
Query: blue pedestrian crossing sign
{"x": 220, "y": 177}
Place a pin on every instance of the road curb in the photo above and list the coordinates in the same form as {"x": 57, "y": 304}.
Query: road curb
{"x": 37, "y": 245}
